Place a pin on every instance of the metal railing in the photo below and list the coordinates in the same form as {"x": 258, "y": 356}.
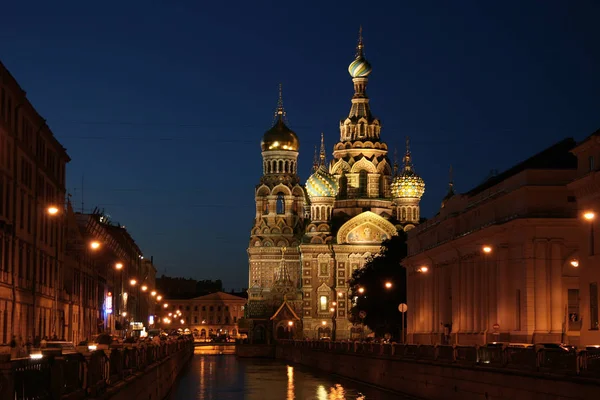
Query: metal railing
{"x": 87, "y": 375}
{"x": 557, "y": 361}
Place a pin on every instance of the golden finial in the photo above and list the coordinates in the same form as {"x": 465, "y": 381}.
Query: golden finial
{"x": 407, "y": 157}
{"x": 283, "y": 250}
{"x": 280, "y": 112}
{"x": 322, "y": 152}
{"x": 360, "y": 46}
{"x": 315, "y": 161}
{"x": 450, "y": 180}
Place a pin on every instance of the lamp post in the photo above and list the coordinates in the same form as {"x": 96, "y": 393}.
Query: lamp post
{"x": 402, "y": 308}
{"x": 590, "y": 216}
{"x": 54, "y": 211}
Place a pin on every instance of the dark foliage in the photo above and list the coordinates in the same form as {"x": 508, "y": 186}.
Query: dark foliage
{"x": 378, "y": 302}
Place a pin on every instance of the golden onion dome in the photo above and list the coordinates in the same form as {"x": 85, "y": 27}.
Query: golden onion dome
{"x": 280, "y": 137}
{"x": 408, "y": 185}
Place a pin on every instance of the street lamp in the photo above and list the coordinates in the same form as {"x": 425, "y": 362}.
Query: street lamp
{"x": 575, "y": 263}
{"x": 165, "y": 305}
{"x": 423, "y": 269}
{"x": 133, "y": 282}
{"x": 144, "y": 288}
{"x": 119, "y": 265}
{"x": 361, "y": 290}
{"x": 159, "y": 297}
{"x": 388, "y": 285}
{"x": 95, "y": 245}
{"x": 52, "y": 210}
{"x": 153, "y": 293}
{"x": 487, "y": 249}
{"x": 124, "y": 313}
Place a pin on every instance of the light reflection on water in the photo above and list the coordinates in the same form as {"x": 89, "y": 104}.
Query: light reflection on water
{"x": 225, "y": 377}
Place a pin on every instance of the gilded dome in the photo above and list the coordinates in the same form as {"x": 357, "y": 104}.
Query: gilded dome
{"x": 360, "y": 67}
{"x": 408, "y": 185}
{"x": 280, "y": 137}
{"x": 321, "y": 184}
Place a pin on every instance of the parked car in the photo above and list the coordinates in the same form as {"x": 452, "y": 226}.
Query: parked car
{"x": 64, "y": 347}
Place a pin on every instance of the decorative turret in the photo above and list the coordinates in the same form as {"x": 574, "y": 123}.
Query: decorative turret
{"x": 360, "y": 162}
{"x": 407, "y": 189}
{"x": 280, "y": 149}
{"x": 322, "y": 188}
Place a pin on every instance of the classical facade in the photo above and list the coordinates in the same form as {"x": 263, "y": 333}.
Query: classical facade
{"x": 586, "y": 188}
{"x": 308, "y": 239}
{"x": 500, "y": 262}
{"x": 32, "y": 178}
{"x": 213, "y": 314}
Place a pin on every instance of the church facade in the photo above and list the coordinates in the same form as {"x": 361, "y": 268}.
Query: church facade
{"x": 307, "y": 239}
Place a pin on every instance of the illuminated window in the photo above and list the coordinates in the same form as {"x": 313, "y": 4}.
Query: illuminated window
{"x": 323, "y": 303}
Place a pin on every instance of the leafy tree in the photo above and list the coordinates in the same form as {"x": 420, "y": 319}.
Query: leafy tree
{"x": 368, "y": 287}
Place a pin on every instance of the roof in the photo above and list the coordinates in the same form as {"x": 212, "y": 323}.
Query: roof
{"x": 286, "y": 305}
{"x": 557, "y": 156}
{"x": 220, "y": 296}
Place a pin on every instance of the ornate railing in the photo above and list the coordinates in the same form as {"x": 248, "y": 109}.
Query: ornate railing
{"x": 558, "y": 361}
{"x": 83, "y": 375}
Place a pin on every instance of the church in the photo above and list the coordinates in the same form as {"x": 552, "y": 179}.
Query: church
{"x": 307, "y": 239}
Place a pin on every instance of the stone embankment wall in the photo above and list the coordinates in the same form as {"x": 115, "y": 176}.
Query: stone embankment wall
{"x": 431, "y": 380}
{"x": 255, "y": 350}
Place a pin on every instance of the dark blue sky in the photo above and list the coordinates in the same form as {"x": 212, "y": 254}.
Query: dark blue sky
{"x": 162, "y": 104}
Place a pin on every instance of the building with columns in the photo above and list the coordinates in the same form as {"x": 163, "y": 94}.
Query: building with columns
{"x": 308, "y": 239}
{"x": 500, "y": 262}
{"x": 586, "y": 188}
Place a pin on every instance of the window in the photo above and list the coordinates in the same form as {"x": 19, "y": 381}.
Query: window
{"x": 195, "y": 320}
{"x": 362, "y": 182}
{"x": 226, "y": 320}
{"x": 280, "y": 204}
{"x": 211, "y": 308}
{"x": 187, "y": 308}
{"x": 343, "y": 192}
{"x": 195, "y": 308}
{"x": 573, "y": 309}
{"x": 594, "y": 306}
{"x": 591, "y": 163}
{"x": 234, "y": 319}
{"x": 323, "y": 303}
{"x": 218, "y": 320}
{"x": 518, "y": 311}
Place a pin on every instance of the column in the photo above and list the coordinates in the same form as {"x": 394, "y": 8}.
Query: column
{"x": 540, "y": 286}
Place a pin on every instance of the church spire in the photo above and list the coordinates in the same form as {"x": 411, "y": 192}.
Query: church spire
{"x": 315, "y": 160}
{"x": 395, "y": 162}
{"x": 322, "y": 152}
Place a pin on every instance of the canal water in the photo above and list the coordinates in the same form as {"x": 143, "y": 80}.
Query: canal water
{"x": 225, "y": 377}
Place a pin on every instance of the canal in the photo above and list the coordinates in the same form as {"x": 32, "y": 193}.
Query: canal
{"x": 225, "y": 377}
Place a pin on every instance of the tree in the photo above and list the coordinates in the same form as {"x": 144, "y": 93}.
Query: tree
{"x": 379, "y": 287}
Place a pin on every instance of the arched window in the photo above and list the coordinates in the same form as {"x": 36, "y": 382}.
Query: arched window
{"x": 265, "y": 206}
{"x": 362, "y": 183}
{"x": 403, "y": 213}
{"x": 280, "y": 167}
{"x": 280, "y": 204}
{"x": 343, "y": 192}
{"x": 409, "y": 214}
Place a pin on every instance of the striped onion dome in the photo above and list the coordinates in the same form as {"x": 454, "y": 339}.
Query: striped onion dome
{"x": 321, "y": 184}
{"x": 359, "y": 68}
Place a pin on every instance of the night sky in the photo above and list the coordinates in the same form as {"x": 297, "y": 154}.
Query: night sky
{"x": 162, "y": 104}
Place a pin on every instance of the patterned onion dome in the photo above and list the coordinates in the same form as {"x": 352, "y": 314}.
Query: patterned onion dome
{"x": 359, "y": 68}
{"x": 321, "y": 184}
{"x": 280, "y": 137}
{"x": 408, "y": 185}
